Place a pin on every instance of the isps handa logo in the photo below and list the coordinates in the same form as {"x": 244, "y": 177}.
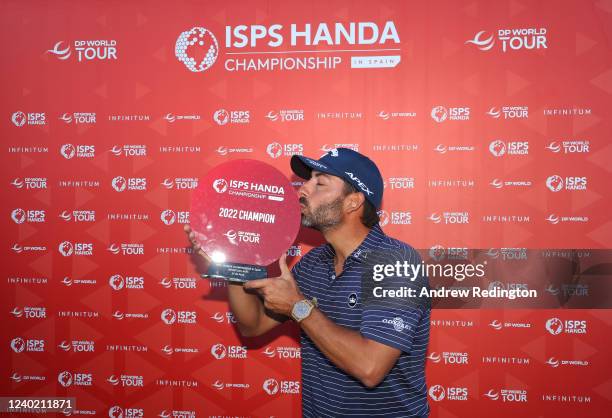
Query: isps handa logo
{"x": 85, "y": 50}
{"x": 291, "y": 47}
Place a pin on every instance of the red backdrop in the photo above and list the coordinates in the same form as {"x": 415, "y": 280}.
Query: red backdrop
{"x": 108, "y": 123}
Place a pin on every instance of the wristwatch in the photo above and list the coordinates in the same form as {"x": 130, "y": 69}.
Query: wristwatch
{"x": 302, "y": 309}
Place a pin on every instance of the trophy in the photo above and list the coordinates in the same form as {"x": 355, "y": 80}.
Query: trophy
{"x": 245, "y": 214}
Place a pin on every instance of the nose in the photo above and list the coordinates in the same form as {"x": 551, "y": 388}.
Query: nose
{"x": 304, "y": 189}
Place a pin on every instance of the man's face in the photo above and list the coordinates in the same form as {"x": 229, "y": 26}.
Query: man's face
{"x": 321, "y": 201}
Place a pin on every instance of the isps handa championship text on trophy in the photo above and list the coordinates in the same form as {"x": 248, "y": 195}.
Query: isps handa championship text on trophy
{"x": 245, "y": 214}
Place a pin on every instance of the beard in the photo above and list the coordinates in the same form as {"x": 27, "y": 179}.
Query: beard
{"x": 324, "y": 217}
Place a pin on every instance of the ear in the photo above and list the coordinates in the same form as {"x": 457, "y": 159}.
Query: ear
{"x": 353, "y": 202}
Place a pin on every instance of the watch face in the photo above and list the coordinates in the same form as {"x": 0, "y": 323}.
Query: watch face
{"x": 301, "y": 309}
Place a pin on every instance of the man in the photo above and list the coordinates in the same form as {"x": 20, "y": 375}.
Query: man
{"x": 359, "y": 358}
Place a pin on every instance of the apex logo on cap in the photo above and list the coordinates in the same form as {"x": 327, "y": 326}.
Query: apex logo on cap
{"x": 361, "y": 184}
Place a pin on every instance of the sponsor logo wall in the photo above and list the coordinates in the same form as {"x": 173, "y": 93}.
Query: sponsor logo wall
{"x": 489, "y": 123}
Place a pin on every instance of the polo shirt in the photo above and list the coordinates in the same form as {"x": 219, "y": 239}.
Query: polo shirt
{"x": 327, "y": 391}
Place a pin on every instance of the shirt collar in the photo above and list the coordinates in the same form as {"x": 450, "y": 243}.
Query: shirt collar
{"x": 370, "y": 243}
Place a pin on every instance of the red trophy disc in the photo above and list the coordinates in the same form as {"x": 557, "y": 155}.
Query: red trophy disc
{"x": 245, "y": 214}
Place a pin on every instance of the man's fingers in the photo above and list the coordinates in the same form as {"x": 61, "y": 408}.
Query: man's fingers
{"x": 256, "y": 284}
{"x": 282, "y": 263}
{"x": 195, "y": 244}
{"x": 206, "y": 257}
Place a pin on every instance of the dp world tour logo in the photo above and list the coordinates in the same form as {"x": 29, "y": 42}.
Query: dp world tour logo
{"x": 197, "y": 48}
{"x": 482, "y": 41}
{"x": 60, "y": 52}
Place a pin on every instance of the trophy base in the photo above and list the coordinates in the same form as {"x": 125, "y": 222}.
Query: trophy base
{"x": 235, "y": 272}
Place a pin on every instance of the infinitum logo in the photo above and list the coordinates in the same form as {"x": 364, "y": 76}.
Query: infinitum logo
{"x": 85, "y": 50}
{"x": 510, "y": 39}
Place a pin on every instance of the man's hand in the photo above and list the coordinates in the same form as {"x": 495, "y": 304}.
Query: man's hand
{"x": 279, "y": 293}
{"x": 191, "y": 234}
{"x": 247, "y": 307}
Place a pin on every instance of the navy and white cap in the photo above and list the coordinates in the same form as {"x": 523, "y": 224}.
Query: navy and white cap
{"x": 355, "y": 168}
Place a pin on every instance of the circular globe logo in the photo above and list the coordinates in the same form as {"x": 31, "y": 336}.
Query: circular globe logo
{"x": 221, "y": 116}
{"x": 437, "y": 393}
{"x": 19, "y": 119}
{"x": 439, "y": 114}
{"x": 270, "y": 386}
{"x": 67, "y": 151}
{"x": 554, "y": 183}
{"x": 497, "y": 148}
{"x": 197, "y": 48}
{"x": 554, "y": 326}
{"x": 274, "y": 149}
